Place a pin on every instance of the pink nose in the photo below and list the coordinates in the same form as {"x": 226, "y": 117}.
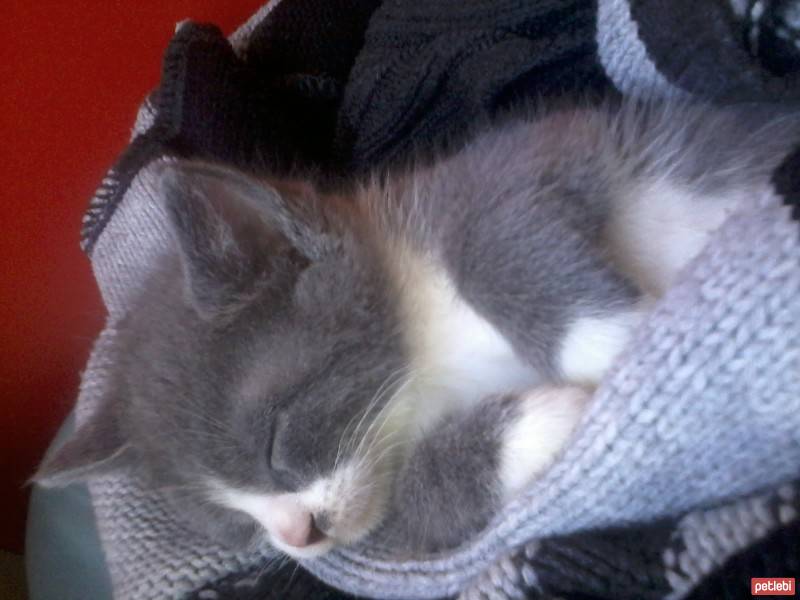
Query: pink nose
{"x": 302, "y": 531}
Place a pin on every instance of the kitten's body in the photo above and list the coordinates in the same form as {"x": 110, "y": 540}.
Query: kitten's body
{"x": 305, "y": 366}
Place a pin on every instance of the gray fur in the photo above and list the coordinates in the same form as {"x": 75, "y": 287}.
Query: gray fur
{"x": 217, "y": 351}
{"x": 518, "y": 215}
{"x": 452, "y": 472}
{"x": 274, "y": 323}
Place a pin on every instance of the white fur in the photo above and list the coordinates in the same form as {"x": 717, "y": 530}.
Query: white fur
{"x": 457, "y": 356}
{"x": 275, "y": 512}
{"x": 353, "y": 498}
{"x": 549, "y": 416}
{"x": 658, "y": 226}
{"x": 591, "y": 344}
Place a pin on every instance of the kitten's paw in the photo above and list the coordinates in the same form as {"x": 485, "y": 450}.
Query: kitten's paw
{"x": 544, "y": 421}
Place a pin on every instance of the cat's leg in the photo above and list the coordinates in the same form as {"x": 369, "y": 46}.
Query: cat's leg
{"x": 460, "y": 473}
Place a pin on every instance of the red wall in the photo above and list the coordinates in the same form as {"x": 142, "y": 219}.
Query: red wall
{"x": 71, "y": 77}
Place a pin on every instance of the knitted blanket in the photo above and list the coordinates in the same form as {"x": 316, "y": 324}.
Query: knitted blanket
{"x": 683, "y": 479}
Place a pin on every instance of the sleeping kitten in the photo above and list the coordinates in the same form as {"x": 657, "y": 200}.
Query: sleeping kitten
{"x": 302, "y": 366}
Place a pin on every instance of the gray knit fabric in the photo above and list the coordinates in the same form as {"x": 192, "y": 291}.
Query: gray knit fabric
{"x": 702, "y": 410}
{"x": 698, "y": 543}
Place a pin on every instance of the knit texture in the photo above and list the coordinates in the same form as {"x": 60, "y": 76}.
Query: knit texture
{"x": 680, "y": 480}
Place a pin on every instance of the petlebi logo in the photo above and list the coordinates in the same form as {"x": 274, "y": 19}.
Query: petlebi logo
{"x": 772, "y": 586}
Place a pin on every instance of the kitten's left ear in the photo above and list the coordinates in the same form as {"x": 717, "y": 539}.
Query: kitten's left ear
{"x": 235, "y": 233}
{"x": 96, "y": 448}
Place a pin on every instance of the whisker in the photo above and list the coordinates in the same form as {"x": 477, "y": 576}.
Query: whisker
{"x": 346, "y": 434}
{"x": 383, "y": 416}
{"x": 378, "y": 397}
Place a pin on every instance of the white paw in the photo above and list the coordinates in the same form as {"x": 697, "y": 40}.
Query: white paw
{"x": 547, "y": 418}
{"x": 591, "y": 344}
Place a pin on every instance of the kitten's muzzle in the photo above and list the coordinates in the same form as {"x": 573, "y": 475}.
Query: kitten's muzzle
{"x": 302, "y": 531}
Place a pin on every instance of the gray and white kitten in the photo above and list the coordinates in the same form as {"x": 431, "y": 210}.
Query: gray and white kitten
{"x": 303, "y": 365}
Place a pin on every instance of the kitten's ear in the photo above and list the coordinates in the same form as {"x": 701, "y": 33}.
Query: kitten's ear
{"x": 95, "y": 448}
{"x": 235, "y": 235}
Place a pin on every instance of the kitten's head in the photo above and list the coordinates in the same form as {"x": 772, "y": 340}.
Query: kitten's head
{"x": 255, "y": 372}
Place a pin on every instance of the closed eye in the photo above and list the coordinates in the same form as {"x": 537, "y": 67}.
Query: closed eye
{"x": 285, "y": 480}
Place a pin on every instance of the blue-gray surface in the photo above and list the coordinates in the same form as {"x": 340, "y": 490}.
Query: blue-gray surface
{"x": 63, "y": 556}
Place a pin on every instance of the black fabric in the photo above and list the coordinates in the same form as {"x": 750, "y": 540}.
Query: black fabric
{"x": 787, "y": 182}
{"x": 334, "y": 88}
{"x": 288, "y": 582}
{"x": 776, "y": 37}
{"x": 272, "y": 109}
{"x": 776, "y": 556}
{"x": 699, "y": 46}
{"x": 613, "y": 563}
{"x": 429, "y": 70}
